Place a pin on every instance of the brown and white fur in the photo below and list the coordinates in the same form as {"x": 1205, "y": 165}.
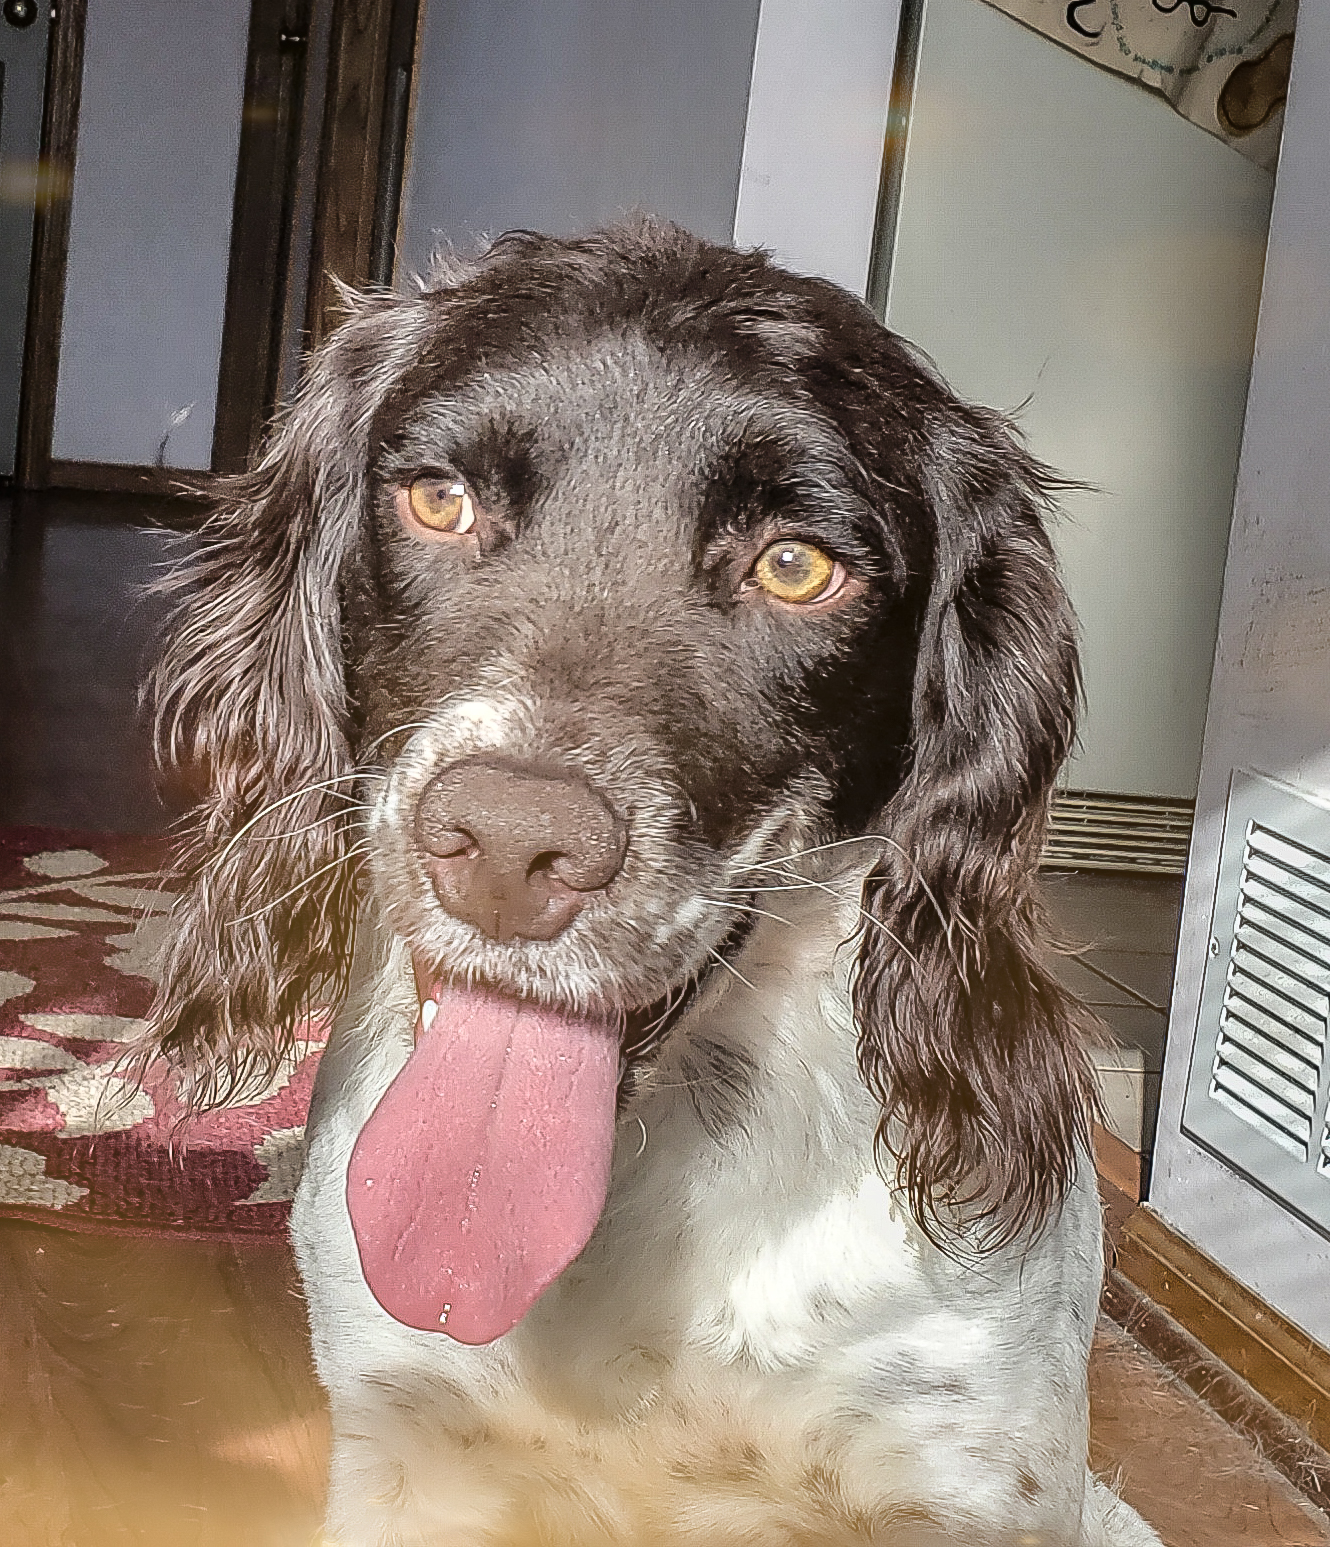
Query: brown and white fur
{"x": 844, "y": 1284}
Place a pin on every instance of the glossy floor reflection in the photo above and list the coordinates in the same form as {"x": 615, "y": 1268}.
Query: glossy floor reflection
{"x": 1195, "y": 1480}
{"x": 1124, "y": 929}
{"x": 160, "y": 1393}
{"x": 77, "y": 617}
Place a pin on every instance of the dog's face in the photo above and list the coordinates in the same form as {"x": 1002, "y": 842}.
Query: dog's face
{"x": 620, "y": 564}
{"x": 606, "y": 572}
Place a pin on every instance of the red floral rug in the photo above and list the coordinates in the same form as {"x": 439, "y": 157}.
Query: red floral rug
{"x": 80, "y": 1146}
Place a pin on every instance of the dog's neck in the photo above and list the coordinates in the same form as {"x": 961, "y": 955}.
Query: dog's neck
{"x": 767, "y": 1047}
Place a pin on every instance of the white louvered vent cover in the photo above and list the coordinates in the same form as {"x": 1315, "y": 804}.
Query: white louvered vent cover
{"x": 1260, "y": 1077}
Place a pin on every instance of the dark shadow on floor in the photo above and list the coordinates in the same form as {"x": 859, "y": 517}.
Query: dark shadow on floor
{"x": 77, "y": 621}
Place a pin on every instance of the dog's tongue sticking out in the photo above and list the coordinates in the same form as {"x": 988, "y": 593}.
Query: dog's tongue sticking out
{"x": 482, "y": 1172}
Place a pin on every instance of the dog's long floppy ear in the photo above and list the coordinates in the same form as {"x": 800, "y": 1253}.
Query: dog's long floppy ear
{"x": 970, "y": 1044}
{"x": 250, "y": 706}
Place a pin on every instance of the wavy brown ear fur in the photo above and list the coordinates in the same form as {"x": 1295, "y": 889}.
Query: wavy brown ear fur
{"x": 250, "y": 706}
{"x": 973, "y": 1048}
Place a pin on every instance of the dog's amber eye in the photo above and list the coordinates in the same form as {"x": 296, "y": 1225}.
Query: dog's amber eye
{"x": 442, "y": 504}
{"x": 798, "y": 572}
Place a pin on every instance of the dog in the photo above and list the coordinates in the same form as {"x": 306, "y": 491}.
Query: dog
{"x": 627, "y": 693}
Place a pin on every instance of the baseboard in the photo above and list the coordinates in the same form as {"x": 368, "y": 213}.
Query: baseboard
{"x": 1273, "y": 1435}
{"x": 118, "y": 478}
{"x": 1237, "y": 1352}
{"x": 1118, "y": 1162}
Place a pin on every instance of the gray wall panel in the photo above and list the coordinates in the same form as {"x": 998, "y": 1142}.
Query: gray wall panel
{"x": 817, "y": 115}
{"x": 150, "y": 232}
{"x": 1066, "y": 238}
{"x": 560, "y": 116}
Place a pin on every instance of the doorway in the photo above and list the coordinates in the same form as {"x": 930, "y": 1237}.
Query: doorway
{"x": 209, "y": 166}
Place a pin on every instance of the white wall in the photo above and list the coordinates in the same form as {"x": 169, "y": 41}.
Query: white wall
{"x": 1065, "y": 237}
{"x": 817, "y": 119}
{"x": 150, "y": 229}
{"x": 562, "y": 115}
{"x": 1270, "y": 697}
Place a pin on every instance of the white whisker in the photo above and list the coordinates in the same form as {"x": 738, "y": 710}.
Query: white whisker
{"x": 730, "y": 967}
{"x": 817, "y": 848}
{"x": 913, "y": 863}
{"x": 409, "y": 725}
{"x": 285, "y": 800}
{"x": 793, "y": 886}
{"x": 297, "y": 832}
{"x": 866, "y": 917}
{"x": 781, "y": 864}
{"x": 342, "y": 859}
{"x": 740, "y": 907}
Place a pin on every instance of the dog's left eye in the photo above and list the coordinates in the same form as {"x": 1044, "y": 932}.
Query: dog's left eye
{"x": 798, "y": 572}
{"x": 441, "y": 504}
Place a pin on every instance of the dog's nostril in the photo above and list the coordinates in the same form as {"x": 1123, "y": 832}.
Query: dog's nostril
{"x": 589, "y": 870}
{"x": 446, "y": 842}
{"x": 513, "y": 853}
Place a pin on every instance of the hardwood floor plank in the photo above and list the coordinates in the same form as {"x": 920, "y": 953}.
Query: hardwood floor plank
{"x": 158, "y": 1392}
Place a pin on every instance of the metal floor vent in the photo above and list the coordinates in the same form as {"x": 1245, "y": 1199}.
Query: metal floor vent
{"x": 1259, "y": 1086}
{"x": 1090, "y": 831}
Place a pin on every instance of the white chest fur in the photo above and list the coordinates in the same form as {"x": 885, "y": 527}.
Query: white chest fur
{"x": 756, "y": 1342}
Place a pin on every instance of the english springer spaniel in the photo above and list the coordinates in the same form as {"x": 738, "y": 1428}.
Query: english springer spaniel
{"x": 628, "y": 691}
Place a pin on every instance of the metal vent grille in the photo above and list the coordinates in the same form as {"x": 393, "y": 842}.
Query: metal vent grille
{"x": 1090, "y": 831}
{"x": 1273, "y": 1024}
{"x": 1259, "y": 1088}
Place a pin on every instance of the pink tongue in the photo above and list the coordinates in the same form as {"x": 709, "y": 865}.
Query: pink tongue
{"x": 482, "y": 1172}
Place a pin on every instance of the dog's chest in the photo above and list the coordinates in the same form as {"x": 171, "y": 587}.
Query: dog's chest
{"x": 754, "y": 1316}
{"x": 746, "y": 1228}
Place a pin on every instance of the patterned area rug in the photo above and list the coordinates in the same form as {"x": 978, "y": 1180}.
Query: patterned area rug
{"x": 80, "y": 917}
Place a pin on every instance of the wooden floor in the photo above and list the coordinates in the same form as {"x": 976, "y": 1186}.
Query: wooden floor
{"x": 160, "y": 1393}
{"x": 155, "y": 1392}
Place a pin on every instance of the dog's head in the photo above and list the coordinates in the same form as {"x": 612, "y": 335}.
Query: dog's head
{"x": 570, "y": 593}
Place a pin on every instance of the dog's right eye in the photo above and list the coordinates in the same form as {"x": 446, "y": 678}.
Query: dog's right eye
{"x": 798, "y": 572}
{"x": 441, "y": 504}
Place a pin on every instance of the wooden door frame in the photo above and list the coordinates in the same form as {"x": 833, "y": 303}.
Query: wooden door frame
{"x": 361, "y": 151}
{"x": 50, "y": 245}
{"x": 366, "y": 124}
{"x": 277, "y": 72}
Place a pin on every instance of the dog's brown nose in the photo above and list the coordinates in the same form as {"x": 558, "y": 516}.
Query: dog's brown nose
{"x": 516, "y": 854}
